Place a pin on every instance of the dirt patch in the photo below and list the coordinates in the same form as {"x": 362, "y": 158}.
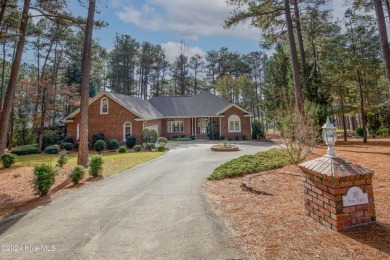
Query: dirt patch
{"x": 276, "y": 227}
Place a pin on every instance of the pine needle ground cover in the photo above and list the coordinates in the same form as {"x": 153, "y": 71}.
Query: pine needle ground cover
{"x": 276, "y": 227}
{"x": 16, "y": 190}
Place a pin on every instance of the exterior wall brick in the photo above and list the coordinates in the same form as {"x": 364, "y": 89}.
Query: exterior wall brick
{"x": 245, "y": 124}
{"x": 110, "y": 124}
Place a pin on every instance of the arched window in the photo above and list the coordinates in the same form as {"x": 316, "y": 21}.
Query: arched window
{"x": 104, "y": 106}
{"x": 234, "y": 124}
{"x": 78, "y": 132}
{"x": 127, "y": 131}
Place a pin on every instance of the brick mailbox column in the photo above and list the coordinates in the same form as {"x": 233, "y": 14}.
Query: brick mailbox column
{"x": 338, "y": 194}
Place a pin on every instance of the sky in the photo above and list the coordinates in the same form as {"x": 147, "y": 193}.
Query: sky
{"x": 199, "y": 23}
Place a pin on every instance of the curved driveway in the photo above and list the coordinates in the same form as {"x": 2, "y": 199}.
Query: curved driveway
{"x": 156, "y": 210}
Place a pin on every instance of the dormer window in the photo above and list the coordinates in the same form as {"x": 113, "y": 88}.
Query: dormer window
{"x": 104, "y": 106}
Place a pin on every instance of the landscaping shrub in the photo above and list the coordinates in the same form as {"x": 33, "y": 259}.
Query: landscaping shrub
{"x": 7, "y": 160}
{"x": 359, "y": 131}
{"x": 150, "y": 146}
{"x": 383, "y": 132}
{"x": 249, "y": 164}
{"x": 131, "y": 141}
{"x": 149, "y": 136}
{"x": 96, "y": 137}
{"x": 161, "y": 148}
{"x": 62, "y": 159}
{"x": 183, "y": 136}
{"x": 137, "y": 148}
{"x": 162, "y": 140}
{"x": 112, "y": 144}
{"x": 257, "y": 130}
{"x": 175, "y": 137}
{"x": 51, "y": 149}
{"x": 77, "y": 174}
{"x": 49, "y": 137}
{"x": 244, "y": 137}
{"x": 67, "y": 146}
{"x": 44, "y": 178}
{"x": 26, "y": 149}
{"x": 122, "y": 149}
{"x": 236, "y": 138}
{"x": 222, "y": 137}
{"x": 67, "y": 139}
{"x": 373, "y": 122}
{"x": 192, "y": 137}
{"x": 100, "y": 145}
{"x": 96, "y": 165}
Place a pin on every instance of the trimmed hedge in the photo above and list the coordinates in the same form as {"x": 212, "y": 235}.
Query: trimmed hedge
{"x": 96, "y": 137}
{"x": 150, "y": 146}
{"x": 7, "y": 160}
{"x": 67, "y": 146}
{"x": 122, "y": 149}
{"x": 26, "y": 149}
{"x": 137, "y": 148}
{"x": 51, "y": 149}
{"x": 77, "y": 174}
{"x": 249, "y": 164}
{"x": 44, "y": 178}
{"x": 100, "y": 145}
{"x": 131, "y": 141}
{"x": 161, "y": 148}
{"x": 112, "y": 144}
{"x": 95, "y": 165}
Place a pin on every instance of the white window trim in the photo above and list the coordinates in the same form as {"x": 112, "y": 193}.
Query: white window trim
{"x": 168, "y": 130}
{"x": 101, "y": 106}
{"x": 78, "y": 132}
{"x": 124, "y": 130}
{"x": 233, "y": 118}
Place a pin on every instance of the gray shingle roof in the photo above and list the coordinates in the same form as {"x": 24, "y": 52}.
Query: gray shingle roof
{"x": 385, "y": 104}
{"x": 203, "y": 104}
{"x": 142, "y": 107}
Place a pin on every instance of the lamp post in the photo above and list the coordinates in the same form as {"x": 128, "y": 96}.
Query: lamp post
{"x": 330, "y": 137}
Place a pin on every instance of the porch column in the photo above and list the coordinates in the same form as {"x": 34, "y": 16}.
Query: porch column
{"x": 220, "y": 126}
{"x": 195, "y": 125}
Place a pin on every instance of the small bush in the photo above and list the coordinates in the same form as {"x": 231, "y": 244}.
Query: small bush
{"x": 244, "y": 137}
{"x": 258, "y": 130}
{"x": 67, "y": 146}
{"x": 383, "y": 131}
{"x": 96, "y": 137}
{"x": 122, "y": 149}
{"x": 112, "y": 144}
{"x": 150, "y": 146}
{"x": 162, "y": 140}
{"x": 149, "y": 136}
{"x": 222, "y": 137}
{"x": 131, "y": 141}
{"x": 96, "y": 165}
{"x": 183, "y": 136}
{"x": 49, "y": 137}
{"x": 44, "y": 178}
{"x": 7, "y": 160}
{"x": 26, "y": 149}
{"x": 249, "y": 164}
{"x": 77, "y": 174}
{"x": 52, "y": 149}
{"x": 62, "y": 159}
{"x": 175, "y": 137}
{"x": 192, "y": 137}
{"x": 137, "y": 148}
{"x": 359, "y": 131}
{"x": 161, "y": 148}
{"x": 67, "y": 139}
{"x": 236, "y": 138}
{"x": 100, "y": 145}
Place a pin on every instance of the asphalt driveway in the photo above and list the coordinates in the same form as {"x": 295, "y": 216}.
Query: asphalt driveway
{"x": 156, "y": 210}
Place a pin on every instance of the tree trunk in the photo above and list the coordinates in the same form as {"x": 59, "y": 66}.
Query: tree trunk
{"x": 2, "y": 77}
{"x": 294, "y": 59}
{"x": 299, "y": 34}
{"x": 9, "y": 96}
{"x": 380, "y": 18}
{"x": 362, "y": 112}
{"x": 2, "y": 12}
{"x": 343, "y": 117}
{"x": 388, "y": 9}
{"x": 86, "y": 68}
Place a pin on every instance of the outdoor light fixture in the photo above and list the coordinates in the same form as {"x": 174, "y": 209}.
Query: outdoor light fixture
{"x": 330, "y": 137}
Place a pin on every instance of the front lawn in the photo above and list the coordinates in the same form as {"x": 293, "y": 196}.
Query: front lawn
{"x": 16, "y": 189}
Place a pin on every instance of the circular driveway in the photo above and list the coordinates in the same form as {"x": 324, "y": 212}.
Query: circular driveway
{"x": 156, "y": 210}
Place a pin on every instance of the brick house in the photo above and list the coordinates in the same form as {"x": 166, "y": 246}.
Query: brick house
{"x": 118, "y": 116}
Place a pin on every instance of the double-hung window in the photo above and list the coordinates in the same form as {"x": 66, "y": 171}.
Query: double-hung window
{"x": 176, "y": 126}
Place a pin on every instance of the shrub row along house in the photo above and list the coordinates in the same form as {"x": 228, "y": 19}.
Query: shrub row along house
{"x": 202, "y": 116}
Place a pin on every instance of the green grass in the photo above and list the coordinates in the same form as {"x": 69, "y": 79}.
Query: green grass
{"x": 113, "y": 163}
{"x": 249, "y": 164}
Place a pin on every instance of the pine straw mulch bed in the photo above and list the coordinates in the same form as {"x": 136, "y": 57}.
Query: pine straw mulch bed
{"x": 276, "y": 227}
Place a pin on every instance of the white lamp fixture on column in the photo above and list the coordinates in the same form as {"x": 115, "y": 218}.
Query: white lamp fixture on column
{"x": 330, "y": 137}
